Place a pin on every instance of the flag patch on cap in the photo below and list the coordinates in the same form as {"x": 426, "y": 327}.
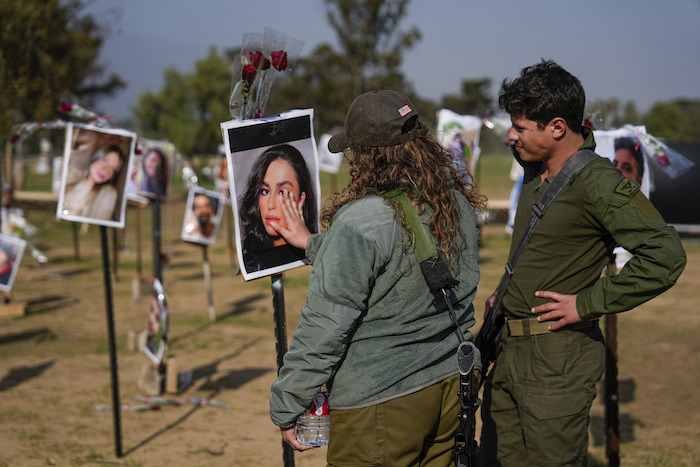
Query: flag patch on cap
{"x": 404, "y": 110}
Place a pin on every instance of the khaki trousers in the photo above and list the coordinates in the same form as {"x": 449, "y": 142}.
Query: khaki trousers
{"x": 538, "y": 397}
{"x": 413, "y": 430}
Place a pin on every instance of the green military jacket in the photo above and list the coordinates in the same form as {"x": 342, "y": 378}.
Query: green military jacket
{"x": 597, "y": 210}
{"x": 370, "y": 326}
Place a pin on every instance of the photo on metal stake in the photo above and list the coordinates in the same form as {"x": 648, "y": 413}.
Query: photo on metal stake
{"x": 265, "y": 157}
{"x": 96, "y": 163}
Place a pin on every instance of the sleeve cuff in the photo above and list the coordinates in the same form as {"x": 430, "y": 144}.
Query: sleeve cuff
{"x": 583, "y": 306}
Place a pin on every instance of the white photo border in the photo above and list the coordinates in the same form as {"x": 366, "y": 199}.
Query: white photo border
{"x": 238, "y": 174}
{"x": 121, "y": 190}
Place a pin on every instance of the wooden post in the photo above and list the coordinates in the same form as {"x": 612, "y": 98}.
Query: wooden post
{"x": 207, "y": 283}
{"x": 612, "y": 398}
{"x": 136, "y": 282}
{"x": 76, "y": 240}
{"x": 171, "y": 375}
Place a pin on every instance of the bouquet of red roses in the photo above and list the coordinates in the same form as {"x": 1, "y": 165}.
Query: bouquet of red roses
{"x": 264, "y": 62}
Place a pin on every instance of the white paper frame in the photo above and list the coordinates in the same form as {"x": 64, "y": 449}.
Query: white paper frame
{"x": 186, "y": 233}
{"x": 240, "y": 164}
{"x": 126, "y": 140}
{"x": 328, "y": 161}
{"x": 14, "y": 248}
{"x": 168, "y": 150}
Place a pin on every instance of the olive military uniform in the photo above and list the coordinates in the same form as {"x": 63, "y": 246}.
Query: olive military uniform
{"x": 538, "y": 396}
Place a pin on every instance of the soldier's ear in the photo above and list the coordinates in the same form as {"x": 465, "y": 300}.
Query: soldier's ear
{"x": 558, "y": 127}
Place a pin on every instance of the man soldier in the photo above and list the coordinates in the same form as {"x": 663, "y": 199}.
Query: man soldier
{"x": 539, "y": 393}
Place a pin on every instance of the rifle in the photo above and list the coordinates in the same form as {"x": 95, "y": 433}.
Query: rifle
{"x": 466, "y": 448}
{"x": 490, "y": 333}
{"x": 439, "y": 280}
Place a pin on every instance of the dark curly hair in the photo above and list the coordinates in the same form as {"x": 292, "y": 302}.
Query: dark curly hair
{"x": 423, "y": 170}
{"x": 542, "y": 92}
{"x": 150, "y": 182}
{"x": 255, "y": 238}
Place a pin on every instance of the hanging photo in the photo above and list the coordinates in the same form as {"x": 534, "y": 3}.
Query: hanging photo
{"x": 328, "y": 161}
{"x": 11, "y": 251}
{"x": 134, "y": 179}
{"x": 202, "y": 216}
{"x": 624, "y": 148}
{"x": 96, "y": 163}
{"x": 221, "y": 175}
{"x": 156, "y": 160}
{"x": 460, "y": 135}
{"x": 265, "y": 157}
{"x": 157, "y": 328}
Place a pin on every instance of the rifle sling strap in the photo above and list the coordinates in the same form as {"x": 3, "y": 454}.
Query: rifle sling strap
{"x": 435, "y": 270}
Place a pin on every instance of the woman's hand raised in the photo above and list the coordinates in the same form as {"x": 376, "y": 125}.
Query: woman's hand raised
{"x": 296, "y": 233}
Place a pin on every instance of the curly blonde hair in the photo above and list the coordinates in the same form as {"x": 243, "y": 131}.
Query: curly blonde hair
{"x": 423, "y": 170}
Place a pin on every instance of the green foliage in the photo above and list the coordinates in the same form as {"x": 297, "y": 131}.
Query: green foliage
{"x": 47, "y": 49}
{"x": 189, "y": 107}
{"x": 473, "y": 100}
{"x": 370, "y": 56}
{"x": 677, "y": 121}
{"x": 610, "y": 113}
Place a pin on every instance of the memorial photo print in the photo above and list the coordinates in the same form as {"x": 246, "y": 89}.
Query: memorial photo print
{"x": 95, "y": 168}
{"x": 265, "y": 157}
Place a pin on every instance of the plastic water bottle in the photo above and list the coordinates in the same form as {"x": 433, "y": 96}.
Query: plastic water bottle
{"x": 314, "y": 425}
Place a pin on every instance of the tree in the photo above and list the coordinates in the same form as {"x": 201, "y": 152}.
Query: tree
{"x": 48, "y": 49}
{"x": 370, "y": 56}
{"x": 189, "y": 106}
{"x": 607, "y": 113}
{"x": 473, "y": 100}
{"x": 676, "y": 120}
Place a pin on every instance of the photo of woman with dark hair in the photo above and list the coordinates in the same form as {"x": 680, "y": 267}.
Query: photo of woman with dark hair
{"x": 11, "y": 251}
{"x": 91, "y": 192}
{"x": 155, "y": 162}
{"x": 278, "y": 168}
{"x": 6, "y": 263}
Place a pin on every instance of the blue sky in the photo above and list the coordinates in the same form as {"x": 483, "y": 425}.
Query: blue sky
{"x": 644, "y": 50}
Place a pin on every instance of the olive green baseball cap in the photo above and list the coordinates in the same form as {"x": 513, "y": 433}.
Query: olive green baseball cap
{"x": 377, "y": 118}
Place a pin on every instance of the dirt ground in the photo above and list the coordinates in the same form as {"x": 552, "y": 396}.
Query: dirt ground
{"x": 55, "y": 360}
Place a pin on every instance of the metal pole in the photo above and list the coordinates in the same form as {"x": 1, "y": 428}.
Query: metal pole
{"x": 281, "y": 345}
{"x": 157, "y": 268}
{"x": 136, "y": 283}
{"x": 115, "y": 254}
{"x": 612, "y": 409}
{"x": 207, "y": 283}
{"x": 116, "y": 406}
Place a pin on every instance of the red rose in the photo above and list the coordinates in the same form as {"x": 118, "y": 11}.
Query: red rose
{"x": 279, "y": 60}
{"x": 258, "y": 61}
{"x": 248, "y": 73}
{"x": 15, "y": 137}
{"x": 66, "y": 106}
{"x": 662, "y": 159}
